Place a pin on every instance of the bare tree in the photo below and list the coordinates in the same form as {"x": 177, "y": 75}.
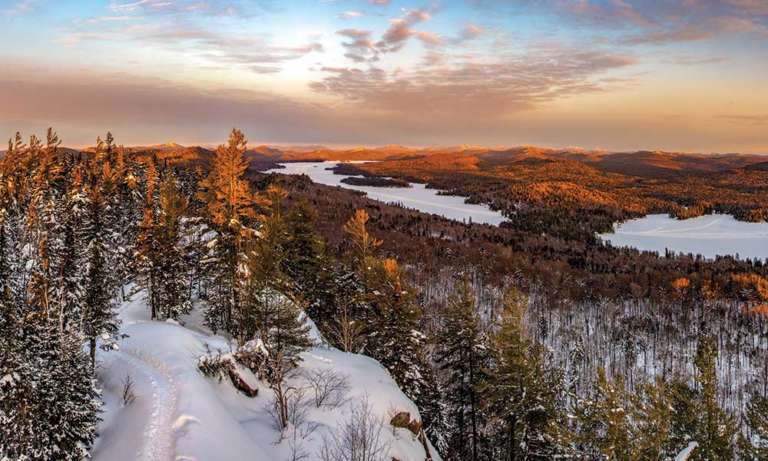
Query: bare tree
{"x": 346, "y": 331}
{"x": 329, "y": 386}
{"x": 128, "y": 391}
{"x": 359, "y": 438}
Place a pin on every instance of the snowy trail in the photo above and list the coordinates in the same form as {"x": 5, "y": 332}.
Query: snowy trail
{"x": 159, "y": 441}
{"x": 153, "y": 413}
{"x": 154, "y": 410}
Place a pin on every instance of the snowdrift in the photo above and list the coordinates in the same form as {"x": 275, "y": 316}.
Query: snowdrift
{"x": 179, "y": 414}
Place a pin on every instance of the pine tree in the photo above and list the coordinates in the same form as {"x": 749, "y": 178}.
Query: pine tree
{"x": 99, "y": 320}
{"x": 756, "y": 445}
{"x": 605, "y": 425}
{"x": 48, "y": 400}
{"x": 284, "y": 336}
{"x": 363, "y": 244}
{"x": 653, "y": 413}
{"x": 304, "y": 252}
{"x": 461, "y": 353}
{"x": 70, "y": 284}
{"x": 396, "y": 341}
{"x": 522, "y": 390}
{"x": 173, "y": 297}
{"x": 231, "y": 208}
{"x": 716, "y": 429}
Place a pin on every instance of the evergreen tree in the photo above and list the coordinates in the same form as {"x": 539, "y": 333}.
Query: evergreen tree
{"x": 363, "y": 244}
{"x": 160, "y": 256}
{"x": 653, "y": 411}
{"x": 72, "y": 256}
{"x": 284, "y": 336}
{"x": 716, "y": 429}
{"x": 99, "y": 320}
{"x": 522, "y": 391}
{"x": 304, "y": 252}
{"x": 756, "y": 445}
{"x": 231, "y": 208}
{"x": 461, "y": 353}
{"x": 606, "y": 426}
{"x": 48, "y": 400}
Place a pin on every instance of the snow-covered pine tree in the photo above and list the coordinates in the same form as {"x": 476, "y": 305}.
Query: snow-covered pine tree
{"x": 48, "y": 399}
{"x": 304, "y": 251}
{"x": 230, "y": 206}
{"x": 283, "y": 335}
{"x": 70, "y": 285}
{"x": 522, "y": 393}
{"x": 173, "y": 296}
{"x": 461, "y": 354}
{"x": 99, "y": 320}
{"x": 146, "y": 264}
{"x": 396, "y": 341}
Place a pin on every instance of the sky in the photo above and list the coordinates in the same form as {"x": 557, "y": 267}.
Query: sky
{"x": 677, "y": 75}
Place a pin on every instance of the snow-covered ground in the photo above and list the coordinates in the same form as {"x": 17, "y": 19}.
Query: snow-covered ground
{"x": 180, "y": 415}
{"x": 709, "y": 236}
{"x": 417, "y": 197}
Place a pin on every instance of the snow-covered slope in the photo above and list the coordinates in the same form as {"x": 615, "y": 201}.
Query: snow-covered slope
{"x": 179, "y": 414}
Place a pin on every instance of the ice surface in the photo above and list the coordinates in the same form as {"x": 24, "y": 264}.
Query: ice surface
{"x": 709, "y": 236}
{"x": 417, "y": 197}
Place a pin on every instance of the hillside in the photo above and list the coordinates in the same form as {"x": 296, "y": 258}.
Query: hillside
{"x": 178, "y": 413}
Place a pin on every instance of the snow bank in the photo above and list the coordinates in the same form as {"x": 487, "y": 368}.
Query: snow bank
{"x": 179, "y": 414}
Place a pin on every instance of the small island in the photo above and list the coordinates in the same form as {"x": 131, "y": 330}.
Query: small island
{"x": 375, "y": 181}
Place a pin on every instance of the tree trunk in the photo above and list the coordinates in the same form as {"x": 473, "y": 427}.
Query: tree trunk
{"x": 92, "y": 347}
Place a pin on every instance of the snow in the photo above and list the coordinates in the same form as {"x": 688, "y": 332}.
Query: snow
{"x": 686, "y": 453}
{"x": 710, "y": 236}
{"x": 417, "y": 197}
{"x": 179, "y": 414}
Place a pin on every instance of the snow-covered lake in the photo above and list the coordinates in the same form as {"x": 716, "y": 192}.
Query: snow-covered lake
{"x": 709, "y": 236}
{"x": 417, "y": 197}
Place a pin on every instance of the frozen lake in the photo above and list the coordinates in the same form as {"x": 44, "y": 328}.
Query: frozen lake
{"x": 417, "y": 197}
{"x": 709, "y": 236}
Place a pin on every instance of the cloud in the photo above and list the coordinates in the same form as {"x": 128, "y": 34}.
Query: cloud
{"x": 20, "y": 8}
{"x": 640, "y": 22}
{"x": 256, "y": 54}
{"x": 175, "y": 7}
{"x": 350, "y": 14}
{"x": 429, "y": 38}
{"x": 379, "y": 2}
{"x": 697, "y": 61}
{"x": 482, "y": 89}
{"x": 359, "y": 46}
{"x": 471, "y": 31}
{"x": 400, "y": 30}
